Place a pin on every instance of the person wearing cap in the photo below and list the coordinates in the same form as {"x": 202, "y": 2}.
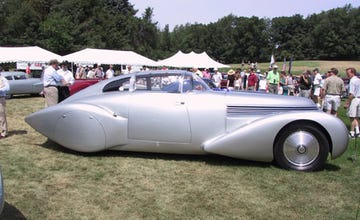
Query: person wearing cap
{"x": 273, "y": 79}
{"x": 4, "y": 88}
{"x": 332, "y": 89}
{"x": 352, "y": 104}
{"x": 217, "y": 77}
{"x": 68, "y": 76}
{"x": 305, "y": 84}
{"x": 52, "y": 79}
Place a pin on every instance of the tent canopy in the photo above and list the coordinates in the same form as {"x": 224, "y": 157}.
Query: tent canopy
{"x": 189, "y": 60}
{"x": 26, "y": 54}
{"x": 103, "y": 56}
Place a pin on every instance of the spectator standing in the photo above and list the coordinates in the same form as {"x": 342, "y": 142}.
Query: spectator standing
{"x": 110, "y": 72}
{"x": 28, "y": 70}
{"x": 4, "y": 88}
{"x": 252, "y": 81}
{"x": 305, "y": 84}
{"x": 80, "y": 73}
{"x": 291, "y": 85}
{"x": 98, "y": 71}
{"x": 284, "y": 83}
{"x": 352, "y": 104}
{"x": 332, "y": 89}
{"x": 51, "y": 82}
{"x": 217, "y": 77}
{"x": 206, "y": 74}
{"x": 69, "y": 80}
{"x": 237, "y": 83}
{"x": 242, "y": 77}
{"x": 231, "y": 80}
{"x": 316, "y": 85}
{"x": 91, "y": 73}
{"x": 273, "y": 79}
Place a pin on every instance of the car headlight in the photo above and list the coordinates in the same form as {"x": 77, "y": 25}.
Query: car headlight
{"x": 1, "y": 192}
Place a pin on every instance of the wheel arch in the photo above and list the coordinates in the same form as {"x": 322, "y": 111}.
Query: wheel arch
{"x": 304, "y": 121}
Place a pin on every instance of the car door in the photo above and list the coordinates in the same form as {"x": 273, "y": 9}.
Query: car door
{"x": 161, "y": 117}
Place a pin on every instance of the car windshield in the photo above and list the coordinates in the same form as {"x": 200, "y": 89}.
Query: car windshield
{"x": 171, "y": 83}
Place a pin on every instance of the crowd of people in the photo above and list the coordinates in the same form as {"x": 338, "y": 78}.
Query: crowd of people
{"x": 326, "y": 90}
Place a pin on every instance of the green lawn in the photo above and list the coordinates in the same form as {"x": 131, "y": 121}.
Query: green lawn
{"x": 45, "y": 181}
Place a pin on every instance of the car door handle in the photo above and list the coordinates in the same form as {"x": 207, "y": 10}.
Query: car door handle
{"x": 180, "y": 103}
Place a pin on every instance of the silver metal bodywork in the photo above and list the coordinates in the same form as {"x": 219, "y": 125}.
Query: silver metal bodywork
{"x": 19, "y": 84}
{"x": 137, "y": 117}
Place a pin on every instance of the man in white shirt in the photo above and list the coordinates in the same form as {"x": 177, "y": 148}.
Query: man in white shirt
{"x": 352, "y": 104}
{"x": 316, "y": 84}
{"x": 110, "y": 72}
{"x": 69, "y": 80}
{"x": 52, "y": 80}
{"x": 217, "y": 77}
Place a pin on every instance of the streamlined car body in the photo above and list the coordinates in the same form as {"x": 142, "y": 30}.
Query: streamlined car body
{"x": 176, "y": 112}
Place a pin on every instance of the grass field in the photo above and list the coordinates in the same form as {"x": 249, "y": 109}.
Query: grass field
{"x": 299, "y": 66}
{"x": 45, "y": 181}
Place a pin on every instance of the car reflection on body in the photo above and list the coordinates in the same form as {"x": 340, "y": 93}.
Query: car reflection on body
{"x": 176, "y": 112}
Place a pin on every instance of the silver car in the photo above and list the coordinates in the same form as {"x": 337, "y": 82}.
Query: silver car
{"x": 20, "y": 84}
{"x": 175, "y": 112}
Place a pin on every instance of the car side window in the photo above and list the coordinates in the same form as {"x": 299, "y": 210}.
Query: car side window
{"x": 118, "y": 85}
{"x": 9, "y": 77}
{"x": 17, "y": 77}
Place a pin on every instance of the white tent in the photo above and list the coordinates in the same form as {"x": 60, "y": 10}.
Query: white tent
{"x": 103, "y": 56}
{"x": 33, "y": 54}
{"x": 189, "y": 60}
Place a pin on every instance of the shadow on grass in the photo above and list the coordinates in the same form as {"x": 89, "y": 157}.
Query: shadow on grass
{"x": 211, "y": 159}
{"x": 16, "y": 132}
{"x": 11, "y": 212}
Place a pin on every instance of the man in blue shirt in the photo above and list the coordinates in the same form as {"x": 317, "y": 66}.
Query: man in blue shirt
{"x": 4, "y": 87}
{"x": 52, "y": 79}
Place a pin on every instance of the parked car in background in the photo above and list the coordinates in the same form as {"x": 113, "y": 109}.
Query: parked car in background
{"x": 20, "y": 84}
{"x": 174, "y": 111}
{"x": 82, "y": 84}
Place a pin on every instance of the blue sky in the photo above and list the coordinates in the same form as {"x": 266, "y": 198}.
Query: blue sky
{"x": 176, "y": 12}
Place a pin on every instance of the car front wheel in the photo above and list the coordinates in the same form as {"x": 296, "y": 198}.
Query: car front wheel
{"x": 301, "y": 147}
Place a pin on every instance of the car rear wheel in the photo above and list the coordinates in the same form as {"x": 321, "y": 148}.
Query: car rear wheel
{"x": 301, "y": 147}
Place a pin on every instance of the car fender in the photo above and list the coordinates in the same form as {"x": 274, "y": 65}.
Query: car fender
{"x": 255, "y": 140}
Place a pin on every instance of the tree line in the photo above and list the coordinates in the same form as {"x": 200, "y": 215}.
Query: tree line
{"x": 66, "y": 26}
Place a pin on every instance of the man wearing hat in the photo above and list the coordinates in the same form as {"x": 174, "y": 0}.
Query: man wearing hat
{"x": 4, "y": 87}
{"x": 332, "y": 89}
{"x": 273, "y": 79}
{"x": 52, "y": 79}
{"x": 68, "y": 76}
{"x": 230, "y": 80}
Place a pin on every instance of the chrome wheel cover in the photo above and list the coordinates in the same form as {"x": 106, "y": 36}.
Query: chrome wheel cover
{"x": 301, "y": 148}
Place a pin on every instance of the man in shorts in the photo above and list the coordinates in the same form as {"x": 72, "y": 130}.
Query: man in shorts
{"x": 352, "y": 104}
{"x": 332, "y": 89}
